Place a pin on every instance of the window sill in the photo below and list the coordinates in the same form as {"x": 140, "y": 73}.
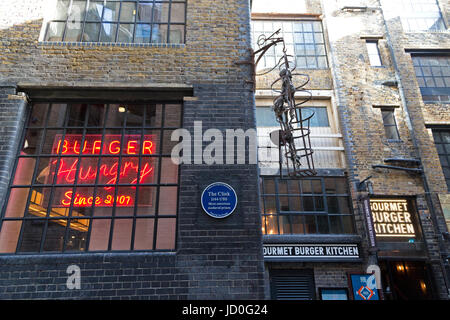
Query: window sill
{"x": 111, "y": 44}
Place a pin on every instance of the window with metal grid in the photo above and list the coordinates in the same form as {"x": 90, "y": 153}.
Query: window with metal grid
{"x": 318, "y": 205}
{"x": 93, "y": 177}
{"x": 442, "y": 142}
{"x": 123, "y": 21}
{"x": 304, "y": 42}
{"x": 433, "y": 77}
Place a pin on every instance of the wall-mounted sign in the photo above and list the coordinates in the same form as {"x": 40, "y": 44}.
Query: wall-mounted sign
{"x": 393, "y": 218}
{"x": 311, "y": 251}
{"x": 369, "y": 221}
{"x": 364, "y": 287}
{"x": 219, "y": 200}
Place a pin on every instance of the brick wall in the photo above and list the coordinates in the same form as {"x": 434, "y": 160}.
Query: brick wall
{"x": 214, "y": 259}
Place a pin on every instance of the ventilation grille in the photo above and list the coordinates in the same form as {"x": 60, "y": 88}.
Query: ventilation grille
{"x": 292, "y": 287}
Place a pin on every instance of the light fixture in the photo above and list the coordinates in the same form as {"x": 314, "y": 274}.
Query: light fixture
{"x": 122, "y": 109}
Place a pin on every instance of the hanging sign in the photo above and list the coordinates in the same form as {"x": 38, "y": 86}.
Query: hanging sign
{"x": 219, "y": 200}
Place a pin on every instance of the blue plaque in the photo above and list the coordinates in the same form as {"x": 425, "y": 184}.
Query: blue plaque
{"x": 219, "y": 200}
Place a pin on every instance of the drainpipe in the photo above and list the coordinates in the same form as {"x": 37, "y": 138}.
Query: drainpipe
{"x": 416, "y": 148}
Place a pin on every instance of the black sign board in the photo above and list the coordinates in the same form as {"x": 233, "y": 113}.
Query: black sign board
{"x": 311, "y": 251}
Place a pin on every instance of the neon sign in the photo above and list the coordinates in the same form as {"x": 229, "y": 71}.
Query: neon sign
{"x": 392, "y": 218}
{"x": 115, "y": 151}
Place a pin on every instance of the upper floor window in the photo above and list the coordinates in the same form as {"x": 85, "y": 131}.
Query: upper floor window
{"x": 319, "y": 205}
{"x": 374, "y": 53}
{"x": 442, "y": 142}
{"x": 123, "y": 21}
{"x": 417, "y": 15}
{"x": 433, "y": 77}
{"x": 389, "y": 123}
{"x": 304, "y": 41}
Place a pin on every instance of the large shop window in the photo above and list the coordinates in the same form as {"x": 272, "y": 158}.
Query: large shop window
{"x": 304, "y": 41}
{"x": 319, "y": 205}
{"x": 93, "y": 177}
{"x": 125, "y": 21}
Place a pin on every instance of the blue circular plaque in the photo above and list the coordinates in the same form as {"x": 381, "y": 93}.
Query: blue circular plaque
{"x": 219, "y": 200}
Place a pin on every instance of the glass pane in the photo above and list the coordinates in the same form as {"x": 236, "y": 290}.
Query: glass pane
{"x": 166, "y": 234}
{"x": 122, "y": 234}
{"x": 159, "y": 33}
{"x": 95, "y": 10}
{"x": 61, "y": 10}
{"x": 54, "y": 236}
{"x": 146, "y": 201}
{"x": 269, "y": 186}
{"x": 284, "y": 224}
{"x": 78, "y": 11}
{"x": 108, "y": 32}
{"x": 297, "y": 225}
{"x": 135, "y": 115}
{"x": 128, "y": 12}
{"x": 73, "y": 32}
{"x": 310, "y": 224}
{"x": 169, "y": 171}
{"x": 322, "y": 224}
{"x": 347, "y": 224}
{"x": 161, "y": 12}
{"x": 143, "y": 237}
{"x": 17, "y": 202}
{"x": 99, "y": 237}
{"x": 24, "y": 171}
{"x": 111, "y": 12}
{"x": 270, "y": 224}
{"x": 38, "y": 115}
{"x": 177, "y": 12}
{"x": 55, "y": 31}
{"x": 116, "y": 115}
{"x": 77, "y": 235}
{"x": 9, "y": 236}
{"x": 31, "y": 235}
{"x": 91, "y": 32}
{"x": 270, "y": 207}
{"x": 125, "y": 33}
{"x": 32, "y": 143}
{"x": 335, "y": 224}
{"x": 168, "y": 200}
{"x": 144, "y": 12}
{"x": 176, "y": 34}
{"x": 153, "y": 115}
{"x": 142, "y": 33}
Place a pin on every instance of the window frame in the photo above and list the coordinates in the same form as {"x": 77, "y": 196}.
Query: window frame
{"x": 432, "y": 94}
{"x": 278, "y": 213}
{"x": 372, "y": 55}
{"x": 50, "y": 19}
{"x": 161, "y": 130}
{"x": 255, "y": 34}
{"x": 387, "y": 126}
{"x": 439, "y": 130}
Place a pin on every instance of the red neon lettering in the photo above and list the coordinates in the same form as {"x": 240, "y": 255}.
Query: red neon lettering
{"x": 131, "y": 149}
{"x": 116, "y": 150}
{"x": 86, "y": 201}
{"x": 147, "y": 147}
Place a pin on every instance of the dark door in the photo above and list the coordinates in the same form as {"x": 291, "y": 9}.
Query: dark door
{"x": 292, "y": 284}
{"x": 406, "y": 280}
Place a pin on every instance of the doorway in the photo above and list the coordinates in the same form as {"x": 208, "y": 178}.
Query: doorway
{"x": 406, "y": 280}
